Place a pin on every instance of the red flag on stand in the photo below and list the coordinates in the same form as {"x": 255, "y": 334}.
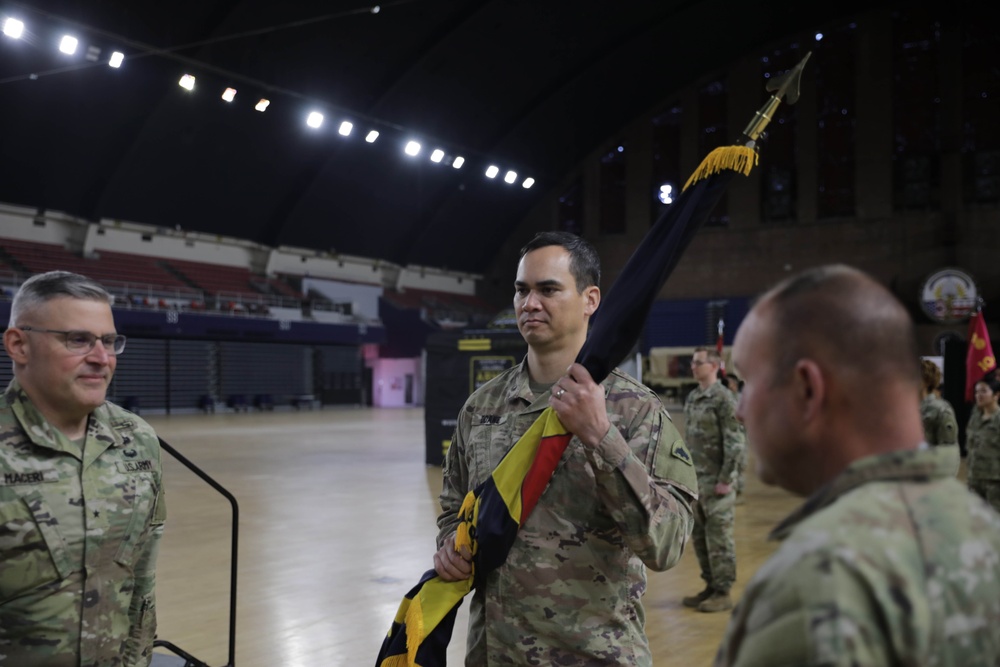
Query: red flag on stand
{"x": 979, "y": 360}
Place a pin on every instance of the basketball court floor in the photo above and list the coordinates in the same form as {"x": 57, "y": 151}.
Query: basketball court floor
{"x": 337, "y": 523}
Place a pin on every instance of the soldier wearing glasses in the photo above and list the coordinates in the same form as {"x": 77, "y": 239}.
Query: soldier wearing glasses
{"x": 81, "y": 494}
{"x": 717, "y": 443}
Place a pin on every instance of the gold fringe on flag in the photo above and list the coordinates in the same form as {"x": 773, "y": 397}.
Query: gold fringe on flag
{"x": 735, "y": 158}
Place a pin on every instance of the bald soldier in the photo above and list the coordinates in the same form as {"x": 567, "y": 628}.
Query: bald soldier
{"x": 890, "y": 560}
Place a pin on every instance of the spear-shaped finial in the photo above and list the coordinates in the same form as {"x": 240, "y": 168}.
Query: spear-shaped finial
{"x": 787, "y": 86}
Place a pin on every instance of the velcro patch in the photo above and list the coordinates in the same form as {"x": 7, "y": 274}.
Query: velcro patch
{"x": 134, "y": 466}
{"x": 28, "y": 477}
{"x": 679, "y": 451}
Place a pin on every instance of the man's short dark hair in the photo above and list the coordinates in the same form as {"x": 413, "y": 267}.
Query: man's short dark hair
{"x": 584, "y": 262}
{"x": 854, "y": 320}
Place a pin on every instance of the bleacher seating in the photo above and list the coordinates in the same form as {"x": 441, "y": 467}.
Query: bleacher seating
{"x": 445, "y": 309}
{"x": 104, "y": 267}
{"x": 215, "y": 278}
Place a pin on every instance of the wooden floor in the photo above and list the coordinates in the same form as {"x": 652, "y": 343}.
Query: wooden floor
{"x": 337, "y": 523}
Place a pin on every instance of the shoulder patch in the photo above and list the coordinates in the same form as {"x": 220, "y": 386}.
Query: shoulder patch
{"x": 679, "y": 451}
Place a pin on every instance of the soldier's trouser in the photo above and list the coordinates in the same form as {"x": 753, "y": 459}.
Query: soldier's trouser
{"x": 713, "y": 540}
{"x": 987, "y": 489}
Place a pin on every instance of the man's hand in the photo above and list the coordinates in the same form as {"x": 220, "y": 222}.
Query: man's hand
{"x": 579, "y": 402}
{"x": 452, "y": 565}
{"x": 722, "y": 489}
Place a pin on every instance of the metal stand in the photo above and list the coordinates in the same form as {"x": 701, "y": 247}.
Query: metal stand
{"x": 189, "y": 660}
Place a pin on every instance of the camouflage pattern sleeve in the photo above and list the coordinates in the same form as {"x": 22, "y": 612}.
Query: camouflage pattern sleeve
{"x": 455, "y": 479}
{"x": 142, "y": 610}
{"x": 733, "y": 438}
{"x": 647, "y": 484}
{"x": 947, "y": 427}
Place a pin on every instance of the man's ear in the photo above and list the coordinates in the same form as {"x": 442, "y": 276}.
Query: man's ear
{"x": 592, "y": 299}
{"x": 810, "y": 388}
{"x": 15, "y": 342}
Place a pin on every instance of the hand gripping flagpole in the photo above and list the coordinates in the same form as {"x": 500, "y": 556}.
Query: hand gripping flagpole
{"x": 493, "y": 511}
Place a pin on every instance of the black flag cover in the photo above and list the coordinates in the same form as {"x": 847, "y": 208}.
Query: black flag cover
{"x": 492, "y": 513}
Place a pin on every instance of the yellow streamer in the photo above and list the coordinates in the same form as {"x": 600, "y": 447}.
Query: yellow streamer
{"x": 734, "y": 158}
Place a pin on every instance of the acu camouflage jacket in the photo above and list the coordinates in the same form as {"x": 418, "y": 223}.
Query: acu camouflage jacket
{"x": 892, "y": 563}
{"x": 570, "y": 590}
{"x": 78, "y": 539}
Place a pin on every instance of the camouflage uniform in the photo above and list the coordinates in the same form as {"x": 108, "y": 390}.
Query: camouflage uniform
{"x": 570, "y": 590}
{"x": 941, "y": 428}
{"x": 982, "y": 442}
{"x": 717, "y": 445}
{"x": 78, "y": 540}
{"x": 891, "y": 563}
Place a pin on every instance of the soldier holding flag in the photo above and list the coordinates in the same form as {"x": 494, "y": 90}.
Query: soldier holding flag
{"x": 570, "y": 591}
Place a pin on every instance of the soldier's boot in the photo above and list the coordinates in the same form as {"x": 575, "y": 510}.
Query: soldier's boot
{"x": 694, "y": 600}
{"x": 717, "y": 601}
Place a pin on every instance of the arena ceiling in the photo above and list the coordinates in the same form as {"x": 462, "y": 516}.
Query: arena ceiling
{"x": 532, "y": 86}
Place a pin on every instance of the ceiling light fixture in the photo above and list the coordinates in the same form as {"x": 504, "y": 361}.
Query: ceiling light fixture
{"x": 492, "y": 171}
{"x": 68, "y": 44}
{"x": 372, "y": 136}
{"x": 13, "y": 28}
{"x": 262, "y": 105}
{"x": 412, "y": 148}
{"x": 510, "y": 177}
{"x": 186, "y": 82}
{"x": 314, "y": 120}
{"x": 457, "y": 162}
{"x": 229, "y": 94}
{"x": 116, "y": 60}
{"x": 345, "y": 128}
{"x": 437, "y": 155}
{"x": 528, "y": 182}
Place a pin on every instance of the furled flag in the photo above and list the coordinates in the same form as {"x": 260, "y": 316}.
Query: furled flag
{"x": 492, "y": 512}
{"x": 979, "y": 359}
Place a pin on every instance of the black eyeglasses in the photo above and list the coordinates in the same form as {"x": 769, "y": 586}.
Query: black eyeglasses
{"x": 82, "y": 342}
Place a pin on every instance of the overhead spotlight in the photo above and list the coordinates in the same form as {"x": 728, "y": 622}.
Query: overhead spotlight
{"x": 262, "y": 105}
{"x": 528, "y": 182}
{"x": 492, "y": 171}
{"x": 376, "y": 9}
{"x": 510, "y": 177}
{"x": 229, "y": 94}
{"x": 665, "y": 195}
{"x": 345, "y": 128}
{"x": 68, "y": 44}
{"x": 372, "y": 136}
{"x": 315, "y": 119}
{"x": 412, "y": 148}
{"x": 458, "y": 162}
{"x": 186, "y": 82}
{"x": 116, "y": 60}
{"x": 437, "y": 155}
{"x": 13, "y": 28}
{"x": 819, "y": 36}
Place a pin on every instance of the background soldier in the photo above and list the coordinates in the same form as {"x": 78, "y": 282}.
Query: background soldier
{"x": 937, "y": 415}
{"x": 81, "y": 506}
{"x": 716, "y": 441}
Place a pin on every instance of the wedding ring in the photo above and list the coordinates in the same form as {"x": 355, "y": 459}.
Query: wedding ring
{"x": 560, "y": 393}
